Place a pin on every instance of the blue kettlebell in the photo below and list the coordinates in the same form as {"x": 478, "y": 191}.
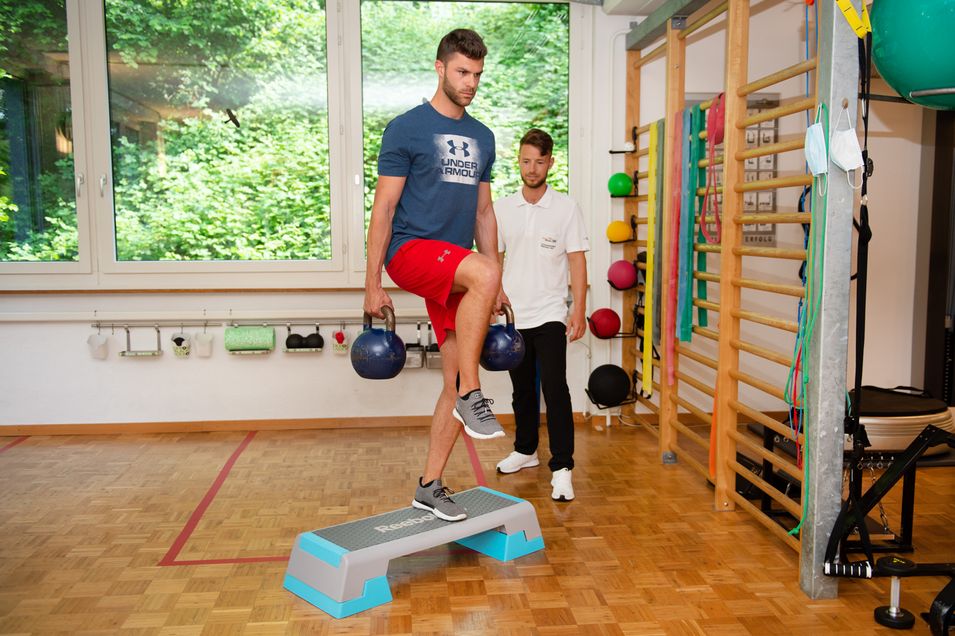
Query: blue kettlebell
{"x": 378, "y": 354}
{"x": 503, "y": 345}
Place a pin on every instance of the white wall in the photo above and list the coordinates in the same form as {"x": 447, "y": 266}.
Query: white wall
{"x": 48, "y": 377}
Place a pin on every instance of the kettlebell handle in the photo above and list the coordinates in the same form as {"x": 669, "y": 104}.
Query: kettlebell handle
{"x": 508, "y": 314}
{"x": 389, "y": 319}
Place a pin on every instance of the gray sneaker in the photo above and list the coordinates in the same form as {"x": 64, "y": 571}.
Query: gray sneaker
{"x": 436, "y": 499}
{"x": 475, "y": 414}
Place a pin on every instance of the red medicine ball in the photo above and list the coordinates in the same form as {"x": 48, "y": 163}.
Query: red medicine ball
{"x": 604, "y": 323}
{"x": 622, "y": 275}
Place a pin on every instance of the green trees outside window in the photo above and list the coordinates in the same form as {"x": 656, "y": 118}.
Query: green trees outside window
{"x": 37, "y": 196}
{"x": 219, "y": 123}
{"x": 525, "y": 82}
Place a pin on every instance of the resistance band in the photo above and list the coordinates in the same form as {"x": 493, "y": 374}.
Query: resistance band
{"x": 658, "y": 253}
{"x": 714, "y": 136}
{"x": 647, "y": 378}
{"x": 677, "y": 168}
{"x": 797, "y": 383}
{"x": 687, "y": 227}
{"x": 860, "y": 25}
{"x": 701, "y": 173}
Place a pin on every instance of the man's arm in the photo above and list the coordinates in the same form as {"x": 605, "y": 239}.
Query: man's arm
{"x": 578, "y": 290}
{"x": 387, "y": 193}
{"x": 485, "y": 233}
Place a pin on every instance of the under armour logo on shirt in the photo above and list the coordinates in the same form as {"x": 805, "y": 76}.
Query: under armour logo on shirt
{"x": 446, "y": 253}
{"x": 463, "y": 148}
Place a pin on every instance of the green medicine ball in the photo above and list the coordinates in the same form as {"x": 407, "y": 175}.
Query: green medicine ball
{"x": 620, "y": 184}
{"x": 914, "y": 48}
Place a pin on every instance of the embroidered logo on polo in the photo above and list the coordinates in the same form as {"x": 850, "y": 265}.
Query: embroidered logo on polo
{"x": 446, "y": 253}
{"x": 459, "y": 159}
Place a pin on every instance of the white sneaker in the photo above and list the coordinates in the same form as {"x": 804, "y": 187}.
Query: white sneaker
{"x": 515, "y": 461}
{"x": 563, "y": 489}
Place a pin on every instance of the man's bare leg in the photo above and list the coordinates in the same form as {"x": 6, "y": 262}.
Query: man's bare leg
{"x": 479, "y": 277}
{"x": 444, "y": 428}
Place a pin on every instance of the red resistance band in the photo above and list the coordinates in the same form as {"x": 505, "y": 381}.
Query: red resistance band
{"x": 714, "y": 135}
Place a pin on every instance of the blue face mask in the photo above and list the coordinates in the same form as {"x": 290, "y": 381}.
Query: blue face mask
{"x": 817, "y": 155}
{"x": 815, "y": 149}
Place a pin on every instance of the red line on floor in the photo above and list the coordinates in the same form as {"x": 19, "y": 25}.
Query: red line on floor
{"x": 187, "y": 530}
{"x": 265, "y": 559}
{"x": 170, "y": 558}
{"x": 475, "y": 461}
{"x": 18, "y": 440}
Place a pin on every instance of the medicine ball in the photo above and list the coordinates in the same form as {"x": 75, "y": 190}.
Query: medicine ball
{"x": 913, "y": 48}
{"x": 622, "y": 275}
{"x": 618, "y": 232}
{"x": 604, "y": 323}
{"x": 620, "y": 184}
{"x": 609, "y": 385}
{"x": 294, "y": 341}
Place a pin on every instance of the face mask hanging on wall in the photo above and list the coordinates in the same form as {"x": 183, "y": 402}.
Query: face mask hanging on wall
{"x": 844, "y": 146}
{"x": 815, "y": 150}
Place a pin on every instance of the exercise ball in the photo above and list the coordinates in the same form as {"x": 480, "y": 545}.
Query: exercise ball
{"x": 608, "y": 385}
{"x": 622, "y": 275}
{"x": 618, "y": 232}
{"x": 914, "y": 49}
{"x": 604, "y": 323}
{"x": 620, "y": 184}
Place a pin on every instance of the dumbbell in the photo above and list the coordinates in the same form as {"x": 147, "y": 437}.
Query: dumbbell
{"x": 892, "y": 615}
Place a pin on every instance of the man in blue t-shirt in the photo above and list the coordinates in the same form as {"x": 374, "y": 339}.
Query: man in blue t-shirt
{"x": 432, "y": 204}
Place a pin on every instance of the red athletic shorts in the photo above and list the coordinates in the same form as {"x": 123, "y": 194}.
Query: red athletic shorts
{"x": 426, "y": 268}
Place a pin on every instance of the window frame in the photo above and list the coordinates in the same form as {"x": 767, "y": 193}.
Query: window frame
{"x": 97, "y": 268}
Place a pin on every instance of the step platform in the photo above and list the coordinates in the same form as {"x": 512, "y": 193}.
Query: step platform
{"x": 342, "y": 569}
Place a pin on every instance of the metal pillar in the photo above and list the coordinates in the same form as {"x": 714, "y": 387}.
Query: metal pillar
{"x": 837, "y": 84}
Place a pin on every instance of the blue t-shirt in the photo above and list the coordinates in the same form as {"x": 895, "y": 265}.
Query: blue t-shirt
{"x": 443, "y": 161}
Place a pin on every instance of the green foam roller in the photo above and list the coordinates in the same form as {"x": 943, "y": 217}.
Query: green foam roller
{"x": 251, "y": 338}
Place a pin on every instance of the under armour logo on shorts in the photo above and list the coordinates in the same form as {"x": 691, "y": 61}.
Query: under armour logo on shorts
{"x": 446, "y": 252}
{"x": 463, "y": 148}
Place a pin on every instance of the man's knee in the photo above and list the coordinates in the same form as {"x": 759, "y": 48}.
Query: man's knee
{"x": 480, "y": 273}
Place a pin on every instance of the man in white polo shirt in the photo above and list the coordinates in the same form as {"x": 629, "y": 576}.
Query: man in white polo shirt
{"x": 542, "y": 238}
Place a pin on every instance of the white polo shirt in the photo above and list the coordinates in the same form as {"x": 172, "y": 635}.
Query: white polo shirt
{"x": 536, "y": 238}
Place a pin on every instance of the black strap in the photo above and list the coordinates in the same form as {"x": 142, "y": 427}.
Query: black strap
{"x": 852, "y": 425}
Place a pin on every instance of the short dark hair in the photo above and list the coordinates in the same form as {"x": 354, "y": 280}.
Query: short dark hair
{"x": 539, "y": 139}
{"x": 463, "y": 41}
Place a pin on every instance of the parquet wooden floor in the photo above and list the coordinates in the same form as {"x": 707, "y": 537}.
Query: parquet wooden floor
{"x": 86, "y": 521}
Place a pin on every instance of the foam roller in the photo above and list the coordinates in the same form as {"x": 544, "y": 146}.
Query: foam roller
{"x": 251, "y": 338}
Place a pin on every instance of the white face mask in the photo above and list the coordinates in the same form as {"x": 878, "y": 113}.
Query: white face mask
{"x": 815, "y": 149}
{"x": 844, "y": 147}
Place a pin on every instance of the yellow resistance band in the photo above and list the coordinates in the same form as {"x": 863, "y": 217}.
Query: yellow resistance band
{"x": 860, "y": 25}
{"x": 647, "y": 383}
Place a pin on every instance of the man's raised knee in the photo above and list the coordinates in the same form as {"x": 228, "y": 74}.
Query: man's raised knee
{"x": 481, "y": 274}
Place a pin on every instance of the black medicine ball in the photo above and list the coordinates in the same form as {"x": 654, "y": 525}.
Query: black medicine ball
{"x": 294, "y": 341}
{"x": 314, "y": 341}
{"x": 609, "y": 385}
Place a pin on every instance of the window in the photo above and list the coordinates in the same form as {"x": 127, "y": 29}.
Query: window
{"x": 38, "y": 220}
{"x": 219, "y": 130}
{"x": 223, "y": 144}
{"x": 525, "y": 82}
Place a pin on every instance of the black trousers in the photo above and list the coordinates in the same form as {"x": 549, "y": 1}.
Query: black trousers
{"x": 546, "y": 345}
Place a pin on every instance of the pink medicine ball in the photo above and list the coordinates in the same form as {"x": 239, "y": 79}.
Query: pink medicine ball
{"x": 622, "y": 275}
